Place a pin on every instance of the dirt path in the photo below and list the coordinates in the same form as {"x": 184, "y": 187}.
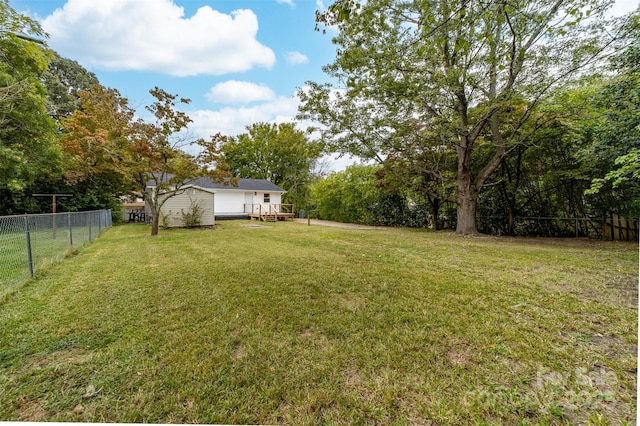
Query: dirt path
{"x": 317, "y": 222}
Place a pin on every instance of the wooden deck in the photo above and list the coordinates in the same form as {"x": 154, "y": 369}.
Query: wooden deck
{"x": 270, "y": 212}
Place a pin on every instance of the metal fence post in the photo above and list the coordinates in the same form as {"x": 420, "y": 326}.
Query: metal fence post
{"x": 29, "y": 254}
{"x": 89, "y": 226}
{"x": 70, "y": 230}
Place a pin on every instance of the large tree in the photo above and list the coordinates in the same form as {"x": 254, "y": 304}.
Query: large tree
{"x": 472, "y": 72}
{"x": 28, "y": 153}
{"x": 160, "y": 166}
{"x": 96, "y": 147}
{"x": 108, "y": 153}
{"x": 64, "y": 80}
{"x": 278, "y": 153}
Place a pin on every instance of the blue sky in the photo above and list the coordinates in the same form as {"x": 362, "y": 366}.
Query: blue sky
{"x": 239, "y": 61}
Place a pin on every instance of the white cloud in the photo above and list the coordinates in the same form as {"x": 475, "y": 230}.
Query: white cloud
{"x": 239, "y": 92}
{"x": 154, "y": 35}
{"x": 622, "y": 7}
{"x": 289, "y": 2}
{"x": 232, "y": 121}
{"x": 295, "y": 58}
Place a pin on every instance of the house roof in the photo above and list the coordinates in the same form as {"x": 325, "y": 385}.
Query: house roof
{"x": 243, "y": 185}
{"x": 133, "y": 204}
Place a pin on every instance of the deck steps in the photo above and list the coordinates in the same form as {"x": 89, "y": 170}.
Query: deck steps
{"x": 269, "y": 218}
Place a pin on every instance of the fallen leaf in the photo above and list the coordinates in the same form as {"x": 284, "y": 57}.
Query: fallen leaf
{"x": 78, "y": 409}
{"x": 188, "y": 404}
{"x": 90, "y": 392}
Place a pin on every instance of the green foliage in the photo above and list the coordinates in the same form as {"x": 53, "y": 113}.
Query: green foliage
{"x": 629, "y": 168}
{"x": 276, "y": 152}
{"x": 469, "y": 75}
{"x": 28, "y": 153}
{"x": 193, "y": 217}
{"x": 348, "y": 196}
{"x": 96, "y": 147}
{"x": 64, "y": 80}
{"x": 360, "y": 195}
{"x": 616, "y": 135}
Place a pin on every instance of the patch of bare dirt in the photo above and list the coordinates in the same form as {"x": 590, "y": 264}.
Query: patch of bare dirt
{"x": 318, "y": 339}
{"x": 57, "y": 358}
{"x": 239, "y": 352}
{"x": 30, "y": 410}
{"x": 254, "y": 226}
{"x": 317, "y": 222}
{"x": 459, "y": 357}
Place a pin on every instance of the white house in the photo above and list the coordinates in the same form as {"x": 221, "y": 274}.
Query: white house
{"x": 251, "y": 198}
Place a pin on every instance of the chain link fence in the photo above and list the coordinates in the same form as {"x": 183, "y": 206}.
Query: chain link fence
{"x": 28, "y": 242}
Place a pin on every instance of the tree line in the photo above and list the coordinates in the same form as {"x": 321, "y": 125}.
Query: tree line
{"x": 63, "y": 132}
{"x": 459, "y": 109}
{"x": 482, "y": 108}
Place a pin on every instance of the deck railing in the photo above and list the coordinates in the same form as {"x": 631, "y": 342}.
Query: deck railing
{"x": 277, "y": 210}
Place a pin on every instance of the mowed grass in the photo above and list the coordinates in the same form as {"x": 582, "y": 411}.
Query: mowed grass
{"x": 45, "y": 250}
{"x": 290, "y": 324}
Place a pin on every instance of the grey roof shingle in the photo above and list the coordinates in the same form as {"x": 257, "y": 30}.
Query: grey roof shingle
{"x": 243, "y": 184}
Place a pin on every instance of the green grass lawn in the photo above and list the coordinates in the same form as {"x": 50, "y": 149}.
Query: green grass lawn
{"x": 14, "y": 258}
{"x": 292, "y": 324}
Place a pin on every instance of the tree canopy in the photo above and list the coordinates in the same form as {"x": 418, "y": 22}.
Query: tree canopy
{"x": 471, "y": 73}
{"x": 474, "y": 112}
{"x": 28, "y": 153}
{"x": 64, "y": 80}
{"x": 616, "y": 134}
{"x": 278, "y": 153}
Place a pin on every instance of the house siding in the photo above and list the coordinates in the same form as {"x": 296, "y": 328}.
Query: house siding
{"x": 256, "y": 199}
{"x": 217, "y": 200}
{"x": 171, "y": 211}
{"x": 230, "y": 203}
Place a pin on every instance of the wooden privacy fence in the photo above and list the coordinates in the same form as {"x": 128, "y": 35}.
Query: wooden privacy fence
{"x": 618, "y": 228}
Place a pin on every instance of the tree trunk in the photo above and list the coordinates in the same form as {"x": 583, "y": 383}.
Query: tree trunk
{"x": 155, "y": 212}
{"x": 466, "y": 210}
{"x": 466, "y": 195}
{"x": 435, "y": 213}
{"x": 154, "y": 223}
{"x": 510, "y": 221}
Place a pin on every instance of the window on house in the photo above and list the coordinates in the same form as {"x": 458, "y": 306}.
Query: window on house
{"x": 267, "y": 198}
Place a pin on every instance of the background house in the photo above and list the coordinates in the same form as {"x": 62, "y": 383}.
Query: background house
{"x": 133, "y": 208}
{"x": 251, "y": 198}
